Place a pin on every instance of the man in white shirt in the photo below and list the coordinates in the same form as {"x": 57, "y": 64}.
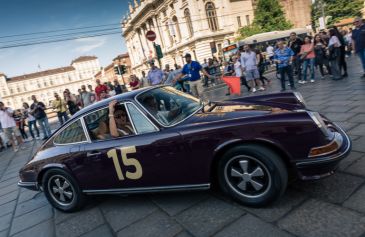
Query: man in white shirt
{"x": 9, "y": 126}
{"x": 249, "y": 66}
{"x": 270, "y": 53}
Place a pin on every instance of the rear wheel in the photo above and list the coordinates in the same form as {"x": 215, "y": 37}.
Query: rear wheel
{"x": 62, "y": 190}
{"x": 252, "y": 174}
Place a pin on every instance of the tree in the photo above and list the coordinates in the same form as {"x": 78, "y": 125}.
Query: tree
{"x": 269, "y": 16}
{"x": 336, "y": 10}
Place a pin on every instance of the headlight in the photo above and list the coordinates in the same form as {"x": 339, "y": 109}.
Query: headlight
{"x": 317, "y": 119}
{"x": 299, "y": 97}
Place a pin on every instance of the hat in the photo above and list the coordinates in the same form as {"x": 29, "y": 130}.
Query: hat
{"x": 188, "y": 55}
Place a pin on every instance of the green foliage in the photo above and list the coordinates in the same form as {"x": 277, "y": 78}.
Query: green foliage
{"x": 247, "y": 31}
{"x": 336, "y": 10}
{"x": 269, "y": 16}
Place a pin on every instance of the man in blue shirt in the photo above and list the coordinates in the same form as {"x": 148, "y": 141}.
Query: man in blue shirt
{"x": 284, "y": 57}
{"x": 358, "y": 40}
{"x": 155, "y": 75}
{"x": 191, "y": 71}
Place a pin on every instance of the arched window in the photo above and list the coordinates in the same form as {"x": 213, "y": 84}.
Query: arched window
{"x": 188, "y": 21}
{"x": 176, "y": 28}
{"x": 211, "y": 16}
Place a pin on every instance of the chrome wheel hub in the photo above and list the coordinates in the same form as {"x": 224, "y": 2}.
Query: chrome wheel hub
{"x": 60, "y": 190}
{"x": 247, "y": 176}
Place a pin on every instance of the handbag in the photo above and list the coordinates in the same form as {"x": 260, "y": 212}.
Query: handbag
{"x": 334, "y": 52}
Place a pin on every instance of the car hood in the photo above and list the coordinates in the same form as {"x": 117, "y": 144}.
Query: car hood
{"x": 233, "y": 110}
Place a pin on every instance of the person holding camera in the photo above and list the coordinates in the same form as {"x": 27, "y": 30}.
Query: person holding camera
{"x": 9, "y": 126}
{"x": 37, "y": 109}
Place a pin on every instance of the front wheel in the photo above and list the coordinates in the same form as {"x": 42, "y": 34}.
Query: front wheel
{"x": 252, "y": 174}
{"x": 62, "y": 190}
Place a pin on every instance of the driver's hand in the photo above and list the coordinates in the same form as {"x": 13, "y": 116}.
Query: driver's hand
{"x": 112, "y": 106}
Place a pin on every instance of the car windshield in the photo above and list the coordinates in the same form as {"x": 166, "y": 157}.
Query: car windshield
{"x": 168, "y": 105}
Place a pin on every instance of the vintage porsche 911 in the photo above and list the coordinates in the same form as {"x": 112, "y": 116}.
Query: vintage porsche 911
{"x": 160, "y": 139}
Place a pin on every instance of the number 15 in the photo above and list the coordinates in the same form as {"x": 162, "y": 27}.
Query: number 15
{"x": 126, "y": 162}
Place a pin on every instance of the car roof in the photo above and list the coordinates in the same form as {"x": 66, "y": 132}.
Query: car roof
{"x": 124, "y": 96}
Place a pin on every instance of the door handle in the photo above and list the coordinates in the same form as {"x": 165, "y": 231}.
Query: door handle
{"x": 93, "y": 154}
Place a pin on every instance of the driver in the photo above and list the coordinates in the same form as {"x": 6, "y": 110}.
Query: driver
{"x": 151, "y": 105}
{"x": 118, "y": 124}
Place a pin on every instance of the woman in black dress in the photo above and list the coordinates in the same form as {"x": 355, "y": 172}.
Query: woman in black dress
{"x": 320, "y": 52}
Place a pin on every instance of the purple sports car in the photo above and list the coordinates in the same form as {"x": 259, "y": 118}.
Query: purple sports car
{"x": 160, "y": 139}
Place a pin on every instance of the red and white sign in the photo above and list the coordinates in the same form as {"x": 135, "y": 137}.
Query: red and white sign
{"x": 151, "y": 35}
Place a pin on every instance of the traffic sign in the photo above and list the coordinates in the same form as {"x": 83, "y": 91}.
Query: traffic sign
{"x": 151, "y": 35}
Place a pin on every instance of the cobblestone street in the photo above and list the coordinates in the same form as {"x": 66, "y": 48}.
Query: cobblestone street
{"x": 334, "y": 206}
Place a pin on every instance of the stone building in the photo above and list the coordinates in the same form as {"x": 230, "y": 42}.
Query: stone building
{"x": 16, "y": 90}
{"x": 182, "y": 26}
{"x": 298, "y": 12}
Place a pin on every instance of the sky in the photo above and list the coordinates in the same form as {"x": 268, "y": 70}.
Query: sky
{"x": 30, "y": 16}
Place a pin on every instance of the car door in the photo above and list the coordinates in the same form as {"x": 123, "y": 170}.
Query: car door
{"x": 148, "y": 158}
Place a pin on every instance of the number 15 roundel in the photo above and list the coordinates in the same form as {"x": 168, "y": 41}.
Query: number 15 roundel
{"x": 126, "y": 162}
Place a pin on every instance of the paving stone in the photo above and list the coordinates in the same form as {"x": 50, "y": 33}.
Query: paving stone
{"x": 335, "y": 189}
{"x": 184, "y": 234}
{"x": 249, "y": 225}
{"x": 359, "y": 118}
{"x": 30, "y": 205}
{"x": 30, "y": 219}
{"x": 358, "y": 109}
{"x": 174, "y": 203}
{"x": 354, "y": 156}
{"x": 4, "y": 233}
{"x": 80, "y": 224}
{"x": 338, "y": 117}
{"x": 207, "y": 217}
{"x": 357, "y": 200}
{"x": 44, "y": 229}
{"x": 10, "y": 176}
{"x": 358, "y": 130}
{"x": 101, "y": 231}
{"x": 156, "y": 225}
{"x": 7, "y": 208}
{"x": 8, "y": 189}
{"x": 8, "y": 197}
{"x": 316, "y": 218}
{"x": 9, "y": 182}
{"x": 338, "y": 109}
{"x": 358, "y": 167}
{"x": 278, "y": 209}
{"x": 121, "y": 212}
{"x": 359, "y": 144}
{"x": 347, "y": 125}
{"x": 27, "y": 195}
{"x": 5, "y": 221}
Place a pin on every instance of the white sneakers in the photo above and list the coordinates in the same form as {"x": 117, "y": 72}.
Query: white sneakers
{"x": 312, "y": 81}
{"x": 253, "y": 90}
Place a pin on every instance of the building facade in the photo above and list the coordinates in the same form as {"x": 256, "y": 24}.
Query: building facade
{"x": 298, "y": 12}
{"x": 16, "y": 90}
{"x": 107, "y": 74}
{"x": 182, "y": 26}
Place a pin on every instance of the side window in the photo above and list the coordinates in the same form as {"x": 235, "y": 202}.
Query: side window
{"x": 72, "y": 134}
{"x": 98, "y": 124}
{"x": 141, "y": 123}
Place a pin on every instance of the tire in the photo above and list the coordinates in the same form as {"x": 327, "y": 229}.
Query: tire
{"x": 73, "y": 198}
{"x": 252, "y": 174}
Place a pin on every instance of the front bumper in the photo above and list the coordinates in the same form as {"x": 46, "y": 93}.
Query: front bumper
{"x": 323, "y": 166}
{"x": 29, "y": 185}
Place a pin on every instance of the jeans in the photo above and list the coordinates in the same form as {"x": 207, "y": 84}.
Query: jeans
{"x": 288, "y": 71}
{"x": 361, "y": 55}
{"x": 31, "y": 124}
{"x": 62, "y": 117}
{"x": 43, "y": 122}
{"x": 310, "y": 63}
{"x": 297, "y": 64}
